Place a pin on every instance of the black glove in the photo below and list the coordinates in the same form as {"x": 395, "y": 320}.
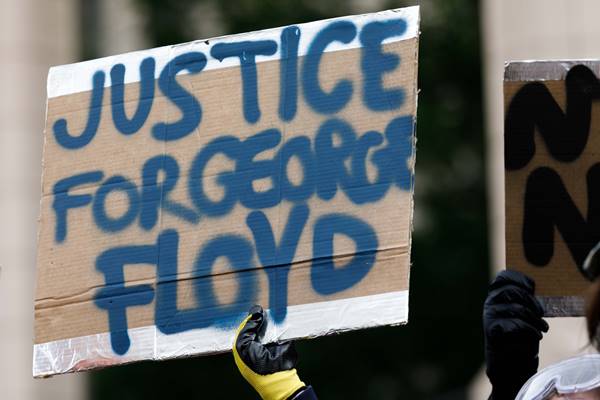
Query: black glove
{"x": 270, "y": 368}
{"x": 513, "y": 326}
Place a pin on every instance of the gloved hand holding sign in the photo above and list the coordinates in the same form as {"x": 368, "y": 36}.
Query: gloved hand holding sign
{"x": 513, "y": 326}
{"x": 269, "y": 368}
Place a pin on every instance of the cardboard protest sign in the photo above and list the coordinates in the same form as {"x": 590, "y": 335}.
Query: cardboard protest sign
{"x": 183, "y": 184}
{"x": 552, "y": 158}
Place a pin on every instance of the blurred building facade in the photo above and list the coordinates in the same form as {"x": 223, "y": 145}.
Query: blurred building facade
{"x": 529, "y": 30}
{"x": 36, "y": 35}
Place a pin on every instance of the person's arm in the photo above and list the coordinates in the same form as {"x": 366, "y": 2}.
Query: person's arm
{"x": 305, "y": 394}
{"x": 269, "y": 368}
{"x": 513, "y": 326}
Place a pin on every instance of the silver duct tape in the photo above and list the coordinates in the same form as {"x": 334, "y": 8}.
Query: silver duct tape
{"x": 547, "y": 70}
{"x": 563, "y": 306}
{"x": 90, "y": 352}
{"x": 148, "y": 343}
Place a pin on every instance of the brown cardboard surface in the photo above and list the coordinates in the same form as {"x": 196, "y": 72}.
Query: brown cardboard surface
{"x": 68, "y": 279}
{"x": 558, "y": 282}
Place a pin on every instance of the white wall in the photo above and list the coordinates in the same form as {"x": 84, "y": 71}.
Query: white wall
{"x": 518, "y": 30}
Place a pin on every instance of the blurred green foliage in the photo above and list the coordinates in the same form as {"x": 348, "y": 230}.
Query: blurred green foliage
{"x": 437, "y": 354}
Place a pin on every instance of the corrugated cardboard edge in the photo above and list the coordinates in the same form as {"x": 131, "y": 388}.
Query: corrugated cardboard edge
{"x": 39, "y": 218}
{"x": 544, "y": 70}
{"x": 411, "y": 207}
{"x": 147, "y": 343}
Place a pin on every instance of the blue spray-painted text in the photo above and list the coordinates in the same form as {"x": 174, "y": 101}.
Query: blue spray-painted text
{"x": 334, "y": 160}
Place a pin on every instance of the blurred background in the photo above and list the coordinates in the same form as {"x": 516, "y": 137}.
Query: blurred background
{"x": 458, "y": 227}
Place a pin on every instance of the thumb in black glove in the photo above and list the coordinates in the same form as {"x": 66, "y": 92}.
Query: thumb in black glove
{"x": 513, "y": 326}
{"x": 269, "y": 368}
